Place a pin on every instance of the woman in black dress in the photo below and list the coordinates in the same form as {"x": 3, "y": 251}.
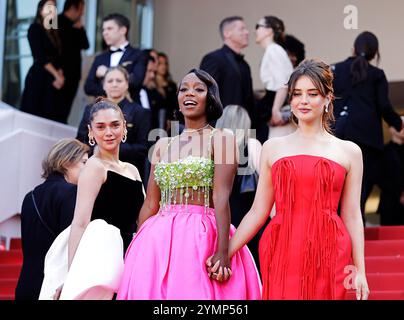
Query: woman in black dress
{"x": 109, "y": 197}
{"x": 45, "y": 77}
{"x": 54, "y": 200}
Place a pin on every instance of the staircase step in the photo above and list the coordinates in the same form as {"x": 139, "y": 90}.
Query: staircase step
{"x": 384, "y": 248}
{"x": 7, "y": 286}
{"x": 385, "y": 233}
{"x": 15, "y": 244}
{"x": 380, "y": 295}
{"x": 384, "y": 264}
{"x": 11, "y": 256}
{"x": 385, "y": 281}
{"x": 8, "y": 271}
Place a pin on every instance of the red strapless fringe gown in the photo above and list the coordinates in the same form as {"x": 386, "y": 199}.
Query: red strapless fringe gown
{"x": 306, "y": 247}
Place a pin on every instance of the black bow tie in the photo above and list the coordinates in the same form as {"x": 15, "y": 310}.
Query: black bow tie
{"x": 116, "y": 50}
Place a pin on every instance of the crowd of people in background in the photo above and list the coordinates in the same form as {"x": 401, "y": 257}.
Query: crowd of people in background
{"x": 306, "y": 108}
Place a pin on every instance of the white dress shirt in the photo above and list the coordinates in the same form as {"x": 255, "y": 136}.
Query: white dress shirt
{"x": 144, "y": 99}
{"x": 276, "y": 68}
{"x": 117, "y": 56}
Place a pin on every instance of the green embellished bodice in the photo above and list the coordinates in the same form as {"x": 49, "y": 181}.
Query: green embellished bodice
{"x": 184, "y": 176}
{"x": 189, "y": 177}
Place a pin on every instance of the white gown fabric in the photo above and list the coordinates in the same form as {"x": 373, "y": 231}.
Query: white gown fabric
{"x": 96, "y": 269}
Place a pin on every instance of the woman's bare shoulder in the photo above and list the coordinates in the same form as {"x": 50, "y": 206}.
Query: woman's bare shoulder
{"x": 134, "y": 171}
{"x": 349, "y": 148}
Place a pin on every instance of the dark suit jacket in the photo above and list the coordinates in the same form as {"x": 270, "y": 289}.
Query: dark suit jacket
{"x": 133, "y": 60}
{"x": 55, "y": 199}
{"x": 138, "y": 122}
{"x": 235, "y": 86}
{"x": 366, "y": 104}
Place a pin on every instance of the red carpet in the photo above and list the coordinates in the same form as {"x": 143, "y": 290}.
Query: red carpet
{"x": 10, "y": 267}
{"x": 384, "y": 251}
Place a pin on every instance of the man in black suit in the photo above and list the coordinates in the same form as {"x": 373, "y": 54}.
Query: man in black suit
{"x": 74, "y": 39}
{"x": 228, "y": 67}
{"x": 115, "y": 30}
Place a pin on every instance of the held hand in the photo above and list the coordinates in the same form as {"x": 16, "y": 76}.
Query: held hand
{"x": 58, "y": 291}
{"x": 276, "y": 119}
{"x": 101, "y": 71}
{"x": 361, "y": 287}
{"x": 218, "y": 267}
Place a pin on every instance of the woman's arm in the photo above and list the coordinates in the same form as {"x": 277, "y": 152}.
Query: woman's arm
{"x": 90, "y": 182}
{"x": 151, "y": 204}
{"x": 279, "y": 100}
{"x": 261, "y": 208}
{"x": 352, "y": 218}
{"x": 224, "y": 154}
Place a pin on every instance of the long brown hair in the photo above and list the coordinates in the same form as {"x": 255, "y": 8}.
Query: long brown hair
{"x": 322, "y": 77}
{"x": 53, "y": 34}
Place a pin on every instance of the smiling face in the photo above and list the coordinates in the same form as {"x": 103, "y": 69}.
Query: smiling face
{"x": 107, "y": 128}
{"x": 192, "y": 97}
{"x": 307, "y": 103}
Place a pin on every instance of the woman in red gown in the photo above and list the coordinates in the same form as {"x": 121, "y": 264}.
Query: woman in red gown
{"x": 306, "y": 249}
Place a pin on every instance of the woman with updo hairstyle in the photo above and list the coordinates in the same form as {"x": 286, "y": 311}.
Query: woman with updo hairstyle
{"x": 138, "y": 119}
{"x": 109, "y": 196}
{"x": 275, "y": 70}
{"x": 305, "y": 251}
{"x": 361, "y": 104}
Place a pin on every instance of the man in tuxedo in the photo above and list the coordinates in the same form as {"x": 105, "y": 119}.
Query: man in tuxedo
{"x": 228, "y": 67}
{"x": 115, "y": 30}
{"x": 74, "y": 39}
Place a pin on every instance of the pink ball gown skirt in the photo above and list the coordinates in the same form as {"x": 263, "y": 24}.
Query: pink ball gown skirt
{"x": 166, "y": 260}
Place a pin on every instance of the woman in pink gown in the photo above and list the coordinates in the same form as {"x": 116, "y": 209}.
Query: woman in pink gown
{"x": 186, "y": 217}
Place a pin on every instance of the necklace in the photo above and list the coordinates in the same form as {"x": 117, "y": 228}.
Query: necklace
{"x": 195, "y": 130}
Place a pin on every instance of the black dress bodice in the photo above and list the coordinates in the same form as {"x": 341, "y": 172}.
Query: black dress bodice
{"x": 118, "y": 203}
